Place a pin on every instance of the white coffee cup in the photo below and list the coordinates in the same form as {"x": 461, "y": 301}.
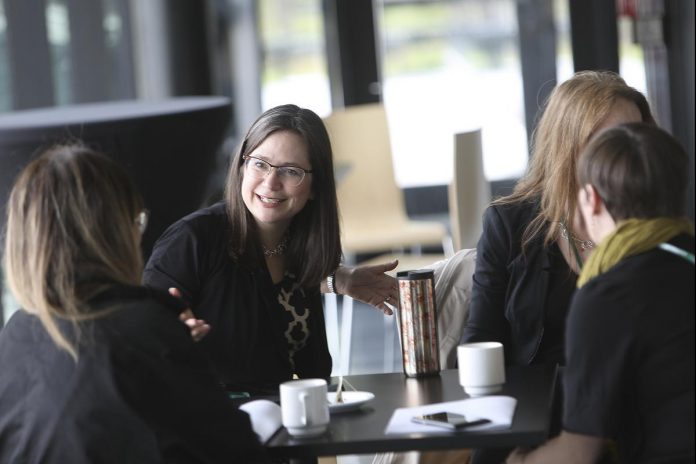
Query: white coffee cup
{"x": 304, "y": 407}
{"x": 481, "y": 367}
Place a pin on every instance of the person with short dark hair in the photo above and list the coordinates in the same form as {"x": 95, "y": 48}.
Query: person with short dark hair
{"x": 96, "y": 368}
{"x": 253, "y": 266}
{"x": 629, "y": 376}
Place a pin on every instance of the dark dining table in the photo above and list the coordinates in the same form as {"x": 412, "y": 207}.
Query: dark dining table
{"x": 363, "y": 431}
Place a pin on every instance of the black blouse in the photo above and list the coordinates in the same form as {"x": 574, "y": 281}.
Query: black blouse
{"x": 261, "y": 333}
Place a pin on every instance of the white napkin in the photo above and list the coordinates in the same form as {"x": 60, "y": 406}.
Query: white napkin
{"x": 265, "y": 417}
{"x": 498, "y": 409}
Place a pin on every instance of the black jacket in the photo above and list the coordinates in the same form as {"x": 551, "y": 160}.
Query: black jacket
{"x": 139, "y": 392}
{"x": 510, "y": 284}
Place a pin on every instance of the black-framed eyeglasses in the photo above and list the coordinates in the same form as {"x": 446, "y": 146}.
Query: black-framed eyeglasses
{"x": 142, "y": 219}
{"x": 260, "y": 169}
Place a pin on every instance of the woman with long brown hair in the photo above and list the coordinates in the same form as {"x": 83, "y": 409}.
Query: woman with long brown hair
{"x": 533, "y": 243}
{"x": 96, "y": 368}
{"x": 254, "y": 265}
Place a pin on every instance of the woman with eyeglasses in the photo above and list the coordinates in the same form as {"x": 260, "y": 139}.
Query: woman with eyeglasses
{"x": 254, "y": 265}
{"x": 97, "y": 368}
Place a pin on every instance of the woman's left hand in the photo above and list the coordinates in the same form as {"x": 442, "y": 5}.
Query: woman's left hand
{"x": 369, "y": 284}
{"x": 198, "y": 327}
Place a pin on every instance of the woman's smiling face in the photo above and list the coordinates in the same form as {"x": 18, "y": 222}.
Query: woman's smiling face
{"x": 271, "y": 200}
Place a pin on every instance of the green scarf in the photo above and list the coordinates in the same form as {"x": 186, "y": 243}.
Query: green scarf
{"x": 631, "y": 237}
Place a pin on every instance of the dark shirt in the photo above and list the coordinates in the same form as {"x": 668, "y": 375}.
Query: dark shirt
{"x": 630, "y": 352}
{"x": 138, "y": 393}
{"x": 262, "y": 333}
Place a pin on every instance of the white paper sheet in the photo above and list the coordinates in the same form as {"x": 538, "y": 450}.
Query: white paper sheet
{"x": 498, "y": 409}
{"x": 265, "y": 417}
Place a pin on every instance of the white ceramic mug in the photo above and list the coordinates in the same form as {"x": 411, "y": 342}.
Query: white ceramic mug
{"x": 304, "y": 407}
{"x": 481, "y": 367}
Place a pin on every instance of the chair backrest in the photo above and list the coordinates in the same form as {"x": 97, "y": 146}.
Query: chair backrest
{"x": 453, "y": 282}
{"x": 360, "y": 141}
{"x": 469, "y": 192}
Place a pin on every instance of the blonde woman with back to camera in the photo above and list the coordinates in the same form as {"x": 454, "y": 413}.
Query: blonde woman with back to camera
{"x": 96, "y": 368}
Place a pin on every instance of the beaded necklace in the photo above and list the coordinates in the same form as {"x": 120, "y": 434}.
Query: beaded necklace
{"x": 279, "y": 249}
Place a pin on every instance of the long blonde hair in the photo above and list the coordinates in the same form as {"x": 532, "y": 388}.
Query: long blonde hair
{"x": 70, "y": 235}
{"x": 572, "y": 114}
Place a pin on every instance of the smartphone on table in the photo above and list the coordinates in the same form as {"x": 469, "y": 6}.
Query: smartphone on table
{"x": 449, "y": 420}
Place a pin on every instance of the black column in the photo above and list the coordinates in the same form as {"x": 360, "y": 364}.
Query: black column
{"x": 351, "y": 50}
{"x": 537, "y": 37}
{"x": 594, "y": 35}
{"x": 89, "y": 79}
{"x": 679, "y": 37}
{"x": 31, "y": 71}
{"x": 188, "y": 42}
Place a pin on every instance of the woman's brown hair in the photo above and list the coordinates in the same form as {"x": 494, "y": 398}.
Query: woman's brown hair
{"x": 314, "y": 247}
{"x": 573, "y": 112}
{"x": 71, "y": 233}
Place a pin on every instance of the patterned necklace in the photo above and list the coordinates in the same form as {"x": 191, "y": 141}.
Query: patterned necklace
{"x": 279, "y": 249}
{"x": 584, "y": 244}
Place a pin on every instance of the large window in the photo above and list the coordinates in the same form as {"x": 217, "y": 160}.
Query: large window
{"x": 450, "y": 66}
{"x": 58, "y": 30}
{"x": 294, "y": 61}
{"x": 631, "y": 62}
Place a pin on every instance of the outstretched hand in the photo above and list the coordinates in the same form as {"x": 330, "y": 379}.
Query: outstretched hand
{"x": 370, "y": 284}
{"x": 198, "y": 327}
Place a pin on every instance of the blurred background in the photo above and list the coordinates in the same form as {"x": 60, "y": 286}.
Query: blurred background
{"x": 439, "y": 66}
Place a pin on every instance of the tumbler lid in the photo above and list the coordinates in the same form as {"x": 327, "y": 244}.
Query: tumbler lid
{"x": 416, "y": 274}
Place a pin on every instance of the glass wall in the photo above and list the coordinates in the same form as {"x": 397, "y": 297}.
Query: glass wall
{"x": 451, "y": 66}
{"x": 58, "y": 30}
{"x": 631, "y": 62}
{"x": 294, "y": 66}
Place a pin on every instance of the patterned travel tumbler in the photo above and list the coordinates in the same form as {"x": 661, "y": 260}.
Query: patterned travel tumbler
{"x": 418, "y": 323}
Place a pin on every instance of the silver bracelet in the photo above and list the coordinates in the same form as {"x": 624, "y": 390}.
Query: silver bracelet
{"x": 330, "y": 282}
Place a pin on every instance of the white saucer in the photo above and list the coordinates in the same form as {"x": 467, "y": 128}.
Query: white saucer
{"x": 352, "y": 400}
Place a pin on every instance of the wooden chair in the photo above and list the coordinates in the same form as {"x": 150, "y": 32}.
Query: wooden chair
{"x": 469, "y": 192}
{"x": 372, "y": 206}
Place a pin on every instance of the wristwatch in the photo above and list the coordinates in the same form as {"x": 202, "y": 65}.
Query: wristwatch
{"x": 330, "y": 282}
